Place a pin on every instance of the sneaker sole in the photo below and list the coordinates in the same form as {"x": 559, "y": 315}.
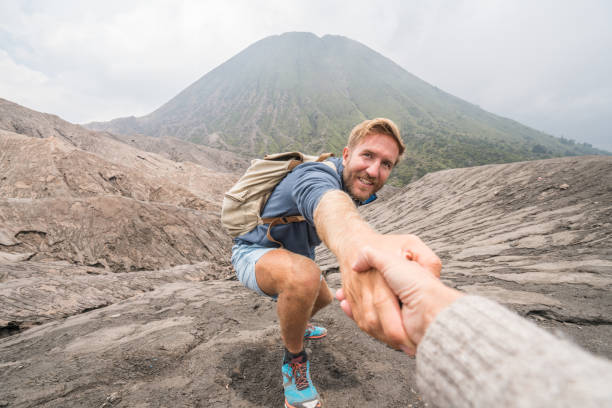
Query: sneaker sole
{"x": 288, "y": 405}
{"x": 315, "y": 337}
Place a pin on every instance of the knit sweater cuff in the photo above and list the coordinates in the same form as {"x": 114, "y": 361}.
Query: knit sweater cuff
{"x": 478, "y": 353}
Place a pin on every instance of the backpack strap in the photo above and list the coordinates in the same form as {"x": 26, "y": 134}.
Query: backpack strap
{"x": 292, "y": 218}
{"x": 324, "y": 157}
{"x": 296, "y": 161}
{"x": 280, "y": 220}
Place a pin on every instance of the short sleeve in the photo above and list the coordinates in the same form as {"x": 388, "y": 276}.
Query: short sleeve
{"x": 312, "y": 180}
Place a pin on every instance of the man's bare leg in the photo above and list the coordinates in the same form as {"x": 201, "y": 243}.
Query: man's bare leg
{"x": 324, "y": 298}
{"x": 296, "y": 280}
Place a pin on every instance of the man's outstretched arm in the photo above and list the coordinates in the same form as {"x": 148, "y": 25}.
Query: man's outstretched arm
{"x": 374, "y": 306}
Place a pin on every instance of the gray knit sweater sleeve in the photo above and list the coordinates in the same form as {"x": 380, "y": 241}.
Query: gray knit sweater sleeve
{"x": 477, "y": 353}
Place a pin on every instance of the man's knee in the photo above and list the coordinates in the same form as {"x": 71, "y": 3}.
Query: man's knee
{"x": 282, "y": 271}
{"x": 304, "y": 278}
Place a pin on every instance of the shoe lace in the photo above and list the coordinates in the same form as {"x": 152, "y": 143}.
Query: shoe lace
{"x": 299, "y": 369}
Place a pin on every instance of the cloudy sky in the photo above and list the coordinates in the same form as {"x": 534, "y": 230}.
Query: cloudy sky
{"x": 547, "y": 64}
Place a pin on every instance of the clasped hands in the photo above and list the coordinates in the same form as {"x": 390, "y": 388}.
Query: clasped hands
{"x": 391, "y": 288}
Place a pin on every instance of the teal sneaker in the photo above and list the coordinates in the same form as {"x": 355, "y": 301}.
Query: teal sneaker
{"x": 314, "y": 332}
{"x": 299, "y": 390}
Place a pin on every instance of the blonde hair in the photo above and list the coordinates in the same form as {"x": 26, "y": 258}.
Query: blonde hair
{"x": 377, "y": 126}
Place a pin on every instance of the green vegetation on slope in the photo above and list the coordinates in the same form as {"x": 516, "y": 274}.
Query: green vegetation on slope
{"x": 297, "y": 91}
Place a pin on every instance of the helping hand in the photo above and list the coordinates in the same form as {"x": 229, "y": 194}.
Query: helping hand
{"x": 369, "y": 300}
{"x": 421, "y": 294}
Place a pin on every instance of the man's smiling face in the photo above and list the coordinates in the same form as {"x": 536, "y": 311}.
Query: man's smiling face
{"x": 368, "y": 165}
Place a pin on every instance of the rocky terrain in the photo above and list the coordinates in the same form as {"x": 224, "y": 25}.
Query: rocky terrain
{"x": 67, "y": 193}
{"x": 116, "y": 288}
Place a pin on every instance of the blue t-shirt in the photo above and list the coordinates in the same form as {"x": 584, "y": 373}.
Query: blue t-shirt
{"x": 298, "y": 194}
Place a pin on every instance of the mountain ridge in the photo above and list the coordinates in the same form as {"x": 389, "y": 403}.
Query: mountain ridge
{"x": 297, "y": 91}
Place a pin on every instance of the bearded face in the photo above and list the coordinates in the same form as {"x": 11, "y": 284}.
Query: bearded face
{"x": 368, "y": 165}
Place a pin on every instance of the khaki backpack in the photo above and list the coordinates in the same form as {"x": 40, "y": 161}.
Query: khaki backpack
{"x": 243, "y": 203}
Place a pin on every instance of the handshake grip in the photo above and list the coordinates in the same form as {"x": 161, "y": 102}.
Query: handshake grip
{"x": 391, "y": 288}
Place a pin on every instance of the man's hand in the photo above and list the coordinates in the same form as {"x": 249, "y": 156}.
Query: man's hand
{"x": 422, "y": 296}
{"x": 374, "y": 307}
{"x": 368, "y": 299}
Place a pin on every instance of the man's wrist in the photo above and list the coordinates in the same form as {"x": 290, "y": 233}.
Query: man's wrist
{"x": 357, "y": 237}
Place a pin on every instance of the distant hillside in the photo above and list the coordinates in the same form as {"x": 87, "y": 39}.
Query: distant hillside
{"x": 72, "y": 194}
{"x": 21, "y": 120}
{"x": 299, "y": 91}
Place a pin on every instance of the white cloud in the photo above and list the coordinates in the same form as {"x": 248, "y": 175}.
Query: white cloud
{"x": 19, "y": 75}
{"x": 26, "y": 86}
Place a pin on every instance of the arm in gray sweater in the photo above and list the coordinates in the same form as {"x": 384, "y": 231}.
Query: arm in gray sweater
{"x": 476, "y": 353}
{"x": 472, "y": 352}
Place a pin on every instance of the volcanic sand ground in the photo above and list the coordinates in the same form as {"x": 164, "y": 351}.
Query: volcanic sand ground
{"x": 534, "y": 236}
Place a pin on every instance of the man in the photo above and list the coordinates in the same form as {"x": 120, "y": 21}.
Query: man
{"x": 289, "y": 274}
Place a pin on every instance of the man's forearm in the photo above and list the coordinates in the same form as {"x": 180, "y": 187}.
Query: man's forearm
{"x": 373, "y": 305}
{"x": 370, "y": 300}
{"x": 339, "y": 224}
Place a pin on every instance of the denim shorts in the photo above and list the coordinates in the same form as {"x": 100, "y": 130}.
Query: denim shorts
{"x": 244, "y": 258}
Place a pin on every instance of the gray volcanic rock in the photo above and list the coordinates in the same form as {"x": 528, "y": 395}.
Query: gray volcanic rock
{"x": 41, "y": 149}
{"x": 32, "y": 293}
{"x": 112, "y": 232}
{"x": 67, "y": 193}
{"x": 66, "y": 204}
{"x": 183, "y": 151}
{"x": 42, "y": 168}
{"x": 208, "y": 344}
